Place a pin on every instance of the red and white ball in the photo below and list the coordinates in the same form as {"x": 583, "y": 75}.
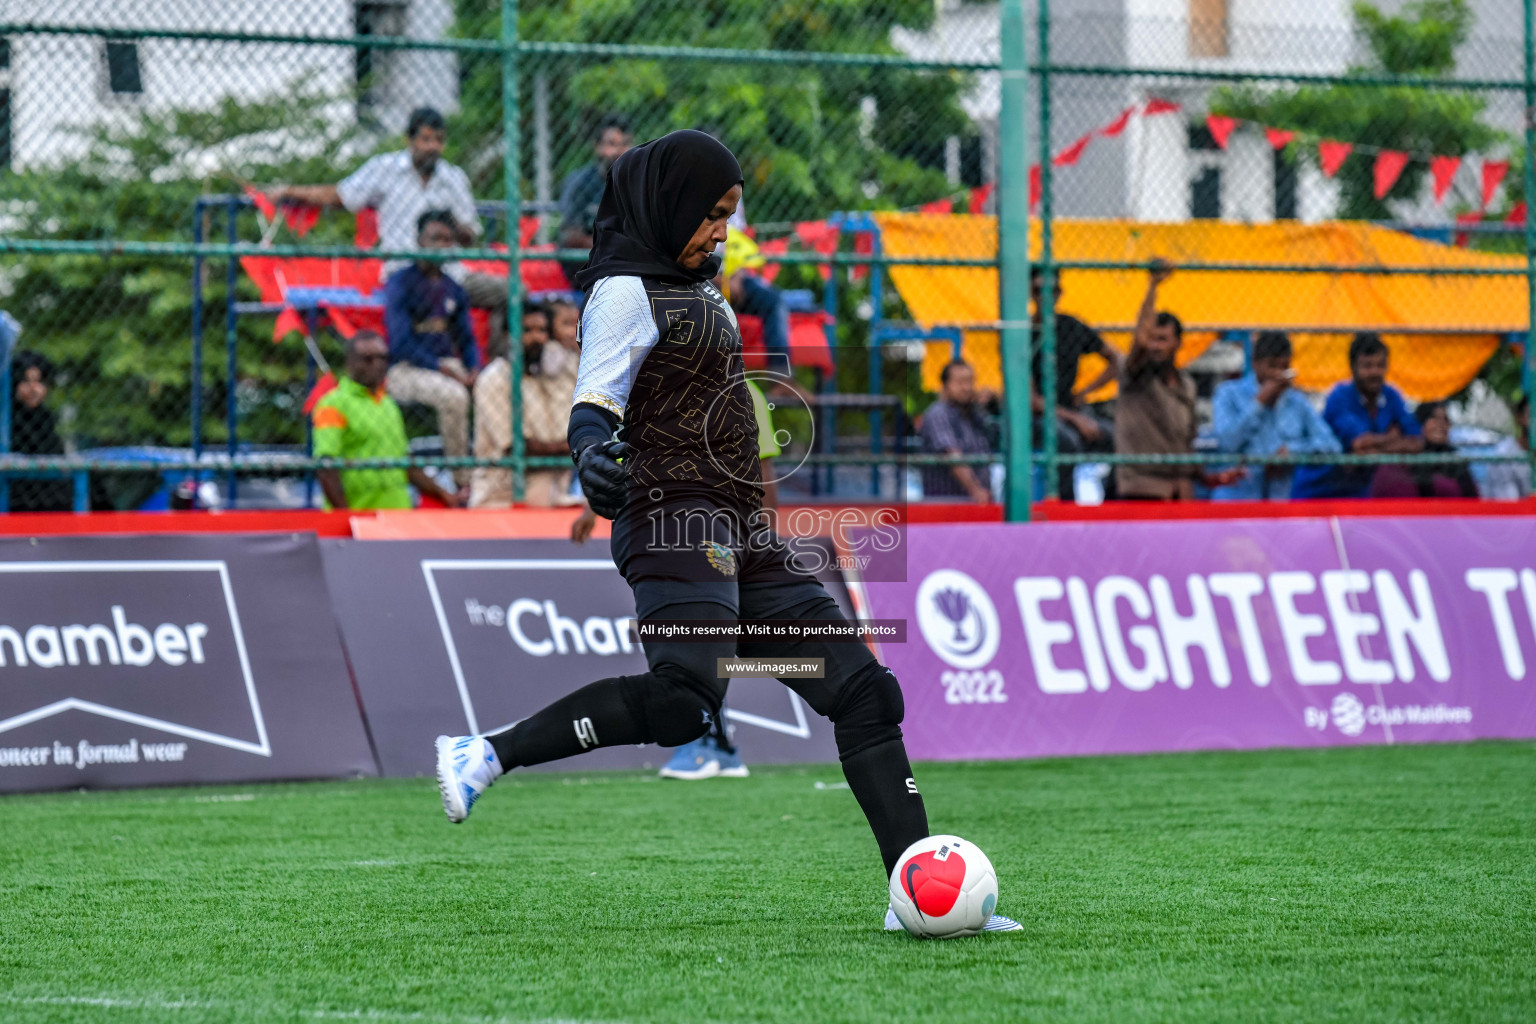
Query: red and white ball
{"x": 943, "y": 887}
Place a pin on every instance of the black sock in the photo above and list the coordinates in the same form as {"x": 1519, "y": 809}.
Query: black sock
{"x": 594, "y": 716}
{"x": 881, "y": 780}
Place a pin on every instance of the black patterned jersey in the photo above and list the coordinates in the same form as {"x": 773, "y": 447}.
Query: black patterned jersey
{"x": 666, "y": 359}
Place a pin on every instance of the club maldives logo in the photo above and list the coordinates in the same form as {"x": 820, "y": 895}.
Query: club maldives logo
{"x": 1348, "y": 714}
{"x": 957, "y": 618}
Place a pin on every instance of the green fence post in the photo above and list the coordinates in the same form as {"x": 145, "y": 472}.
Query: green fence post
{"x": 1013, "y": 259}
{"x": 1530, "y": 212}
{"x": 512, "y": 138}
{"x": 1047, "y": 341}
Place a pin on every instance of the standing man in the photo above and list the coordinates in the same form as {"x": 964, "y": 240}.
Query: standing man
{"x": 583, "y": 189}
{"x": 357, "y": 420}
{"x": 1369, "y": 417}
{"x": 1263, "y": 414}
{"x": 666, "y": 444}
{"x": 955, "y": 425}
{"x": 1156, "y": 411}
{"x": 433, "y": 355}
{"x": 1078, "y": 430}
{"x": 402, "y": 186}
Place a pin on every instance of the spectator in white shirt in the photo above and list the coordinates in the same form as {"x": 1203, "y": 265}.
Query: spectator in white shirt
{"x": 402, "y": 186}
{"x": 1511, "y": 481}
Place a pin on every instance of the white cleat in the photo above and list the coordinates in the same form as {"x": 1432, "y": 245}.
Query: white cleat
{"x": 466, "y": 767}
{"x": 995, "y": 923}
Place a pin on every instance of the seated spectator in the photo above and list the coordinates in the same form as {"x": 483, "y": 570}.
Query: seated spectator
{"x": 562, "y": 358}
{"x": 546, "y": 409}
{"x": 34, "y": 432}
{"x": 1078, "y": 429}
{"x": 583, "y": 189}
{"x": 750, "y": 295}
{"x": 1511, "y": 481}
{"x": 1264, "y": 414}
{"x": 955, "y": 425}
{"x": 1369, "y": 417}
{"x": 432, "y": 350}
{"x": 357, "y": 420}
{"x": 1155, "y": 414}
{"x": 1435, "y": 480}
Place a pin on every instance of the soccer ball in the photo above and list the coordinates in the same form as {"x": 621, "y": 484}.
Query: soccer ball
{"x": 943, "y": 887}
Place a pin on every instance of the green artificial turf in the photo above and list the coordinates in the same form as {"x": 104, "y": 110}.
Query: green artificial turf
{"x": 1352, "y": 884}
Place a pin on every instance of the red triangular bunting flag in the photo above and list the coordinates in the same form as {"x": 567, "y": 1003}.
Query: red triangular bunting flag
{"x": 1156, "y": 105}
{"x": 1279, "y": 138}
{"x": 301, "y": 218}
{"x": 1462, "y": 220}
{"x": 1331, "y": 155}
{"x": 1115, "y": 127}
{"x": 265, "y": 205}
{"x": 339, "y": 321}
{"x": 1073, "y": 153}
{"x": 1517, "y": 214}
{"x": 365, "y": 235}
{"x": 1035, "y": 188}
{"x": 979, "y": 196}
{"x": 938, "y": 206}
{"x": 1389, "y": 167}
{"x": 1493, "y": 174}
{"x": 1221, "y": 128}
{"x": 1444, "y": 169}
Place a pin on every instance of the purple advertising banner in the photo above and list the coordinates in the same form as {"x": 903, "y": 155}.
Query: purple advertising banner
{"x": 1094, "y": 638}
{"x": 131, "y": 661}
{"x": 471, "y": 636}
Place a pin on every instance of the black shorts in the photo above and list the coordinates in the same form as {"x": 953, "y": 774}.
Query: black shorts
{"x": 691, "y": 550}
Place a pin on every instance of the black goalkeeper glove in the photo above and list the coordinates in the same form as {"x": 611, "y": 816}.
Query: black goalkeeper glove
{"x": 604, "y": 480}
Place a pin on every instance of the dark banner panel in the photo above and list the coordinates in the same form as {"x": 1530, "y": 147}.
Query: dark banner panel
{"x": 129, "y": 661}
{"x": 469, "y": 636}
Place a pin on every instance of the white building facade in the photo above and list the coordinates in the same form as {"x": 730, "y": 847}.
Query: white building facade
{"x": 1164, "y": 168}
{"x": 54, "y": 84}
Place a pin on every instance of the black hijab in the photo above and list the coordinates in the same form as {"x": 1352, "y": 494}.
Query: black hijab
{"x": 654, "y": 199}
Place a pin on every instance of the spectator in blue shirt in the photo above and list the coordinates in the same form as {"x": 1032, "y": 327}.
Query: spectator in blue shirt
{"x": 583, "y": 189}
{"x": 432, "y": 352}
{"x": 1369, "y": 417}
{"x": 1263, "y": 414}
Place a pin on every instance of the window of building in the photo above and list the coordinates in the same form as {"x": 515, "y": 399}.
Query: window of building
{"x": 1208, "y": 28}
{"x": 124, "y": 75}
{"x": 371, "y": 66}
{"x": 1285, "y": 186}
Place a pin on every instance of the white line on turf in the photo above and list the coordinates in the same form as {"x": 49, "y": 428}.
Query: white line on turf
{"x": 164, "y": 1005}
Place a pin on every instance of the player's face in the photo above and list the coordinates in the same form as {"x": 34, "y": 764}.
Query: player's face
{"x": 31, "y": 390}
{"x": 712, "y": 232}
{"x": 426, "y": 147}
{"x": 368, "y": 362}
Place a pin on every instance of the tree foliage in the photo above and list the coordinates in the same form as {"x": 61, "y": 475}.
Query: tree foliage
{"x": 807, "y": 145}
{"x": 1421, "y": 40}
{"x": 119, "y": 327}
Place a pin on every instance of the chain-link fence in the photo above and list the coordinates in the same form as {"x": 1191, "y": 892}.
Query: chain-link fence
{"x": 204, "y": 200}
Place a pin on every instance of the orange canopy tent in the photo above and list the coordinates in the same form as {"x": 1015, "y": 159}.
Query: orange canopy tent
{"x": 1449, "y": 324}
